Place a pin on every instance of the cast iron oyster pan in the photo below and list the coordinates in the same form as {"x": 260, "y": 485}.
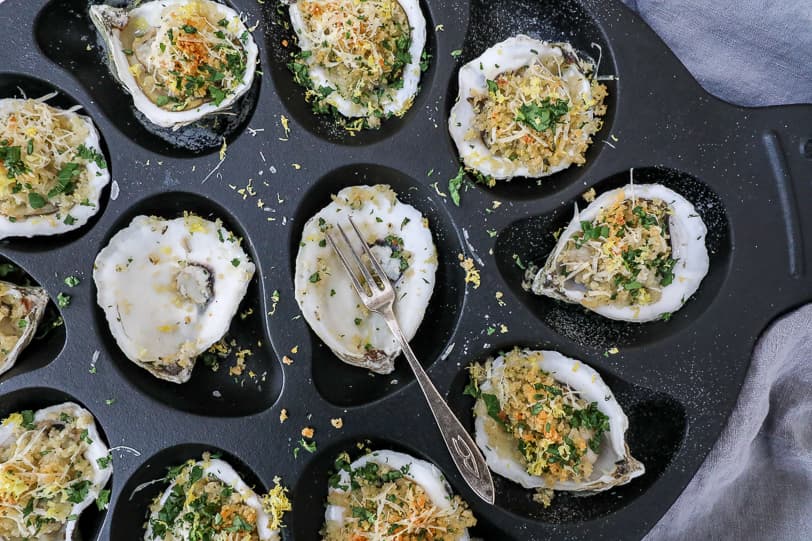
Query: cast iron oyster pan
{"x": 745, "y": 170}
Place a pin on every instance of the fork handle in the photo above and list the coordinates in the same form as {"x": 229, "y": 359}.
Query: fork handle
{"x": 466, "y": 454}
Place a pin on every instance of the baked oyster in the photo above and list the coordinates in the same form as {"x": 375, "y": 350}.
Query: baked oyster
{"x": 169, "y": 289}
{"x": 53, "y": 465}
{"x": 526, "y": 108}
{"x": 390, "y": 495}
{"x": 21, "y": 310}
{"x": 180, "y": 60}
{"x": 636, "y": 253}
{"x": 546, "y": 421}
{"x": 207, "y": 499}
{"x": 52, "y": 170}
{"x": 400, "y": 239}
{"x": 370, "y": 70}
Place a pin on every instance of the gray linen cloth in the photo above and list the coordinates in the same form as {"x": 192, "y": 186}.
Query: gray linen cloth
{"x": 756, "y": 483}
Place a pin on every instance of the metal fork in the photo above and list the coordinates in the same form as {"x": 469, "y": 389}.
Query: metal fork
{"x": 379, "y": 297}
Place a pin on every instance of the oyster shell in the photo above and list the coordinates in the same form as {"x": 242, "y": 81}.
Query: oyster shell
{"x": 401, "y": 240}
{"x": 21, "y": 310}
{"x": 527, "y": 133}
{"x": 180, "y": 60}
{"x": 190, "y": 482}
{"x": 424, "y": 474}
{"x": 35, "y": 443}
{"x": 612, "y": 464}
{"x": 169, "y": 289}
{"x": 660, "y": 286}
{"x": 52, "y": 171}
{"x": 351, "y": 74}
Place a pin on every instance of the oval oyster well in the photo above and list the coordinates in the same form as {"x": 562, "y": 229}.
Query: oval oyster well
{"x": 91, "y": 520}
{"x": 322, "y": 125}
{"x": 15, "y": 86}
{"x": 130, "y": 511}
{"x": 48, "y": 340}
{"x": 345, "y": 385}
{"x": 493, "y": 22}
{"x": 531, "y": 240}
{"x": 310, "y": 492}
{"x": 221, "y": 385}
{"x": 63, "y": 30}
{"x": 657, "y": 426}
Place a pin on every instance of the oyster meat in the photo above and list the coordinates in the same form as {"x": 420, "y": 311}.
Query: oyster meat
{"x": 52, "y": 170}
{"x": 636, "y": 253}
{"x": 211, "y": 498}
{"x": 371, "y": 69}
{"x": 53, "y": 465}
{"x": 526, "y": 108}
{"x": 546, "y": 421}
{"x": 419, "y": 503}
{"x": 21, "y": 310}
{"x": 400, "y": 239}
{"x": 169, "y": 289}
{"x": 180, "y": 60}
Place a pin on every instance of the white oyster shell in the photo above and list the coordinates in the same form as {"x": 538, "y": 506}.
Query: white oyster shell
{"x": 614, "y": 465}
{"x": 510, "y": 55}
{"x": 54, "y": 222}
{"x": 325, "y": 294}
{"x": 687, "y": 232}
{"x": 423, "y": 473}
{"x": 96, "y": 449}
{"x": 32, "y": 301}
{"x": 402, "y": 99}
{"x": 110, "y": 21}
{"x": 221, "y": 470}
{"x": 169, "y": 289}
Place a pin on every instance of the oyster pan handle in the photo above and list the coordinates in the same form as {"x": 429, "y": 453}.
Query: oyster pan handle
{"x": 467, "y": 456}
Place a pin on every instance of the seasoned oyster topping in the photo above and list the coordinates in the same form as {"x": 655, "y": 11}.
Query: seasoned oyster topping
{"x": 207, "y": 499}
{"x": 387, "y": 495}
{"x": 371, "y": 68}
{"x": 400, "y": 239}
{"x": 526, "y": 108}
{"x": 52, "y": 170}
{"x": 635, "y": 254}
{"x": 21, "y": 310}
{"x": 180, "y": 59}
{"x": 169, "y": 289}
{"x": 53, "y": 465}
{"x": 547, "y": 421}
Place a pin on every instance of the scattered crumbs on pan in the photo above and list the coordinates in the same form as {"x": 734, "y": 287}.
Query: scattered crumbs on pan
{"x": 494, "y": 205}
{"x": 274, "y": 302}
{"x": 439, "y": 28}
{"x": 246, "y": 313}
{"x": 223, "y": 152}
{"x": 72, "y": 281}
{"x": 283, "y": 415}
{"x": 296, "y": 166}
{"x": 93, "y": 361}
{"x": 589, "y": 195}
{"x": 518, "y": 262}
{"x": 110, "y": 401}
{"x": 308, "y": 432}
{"x": 437, "y": 189}
{"x": 253, "y": 133}
{"x": 294, "y": 350}
{"x": 491, "y": 232}
{"x": 499, "y": 296}
{"x": 471, "y": 272}
{"x": 611, "y": 351}
{"x": 337, "y": 422}
{"x": 283, "y": 120}
{"x": 503, "y": 329}
{"x": 287, "y": 360}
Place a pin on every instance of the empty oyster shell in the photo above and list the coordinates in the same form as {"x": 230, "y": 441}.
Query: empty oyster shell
{"x": 566, "y": 403}
{"x": 389, "y": 474}
{"x": 401, "y": 240}
{"x": 58, "y": 465}
{"x": 53, "y": 171}
{"x": 214, "y": 483}
{"x": 169, "y": 289}
{"x": 526, "y": 108}
{"x": 636, "y": 253}
{"x": 21, "y": 310}
{"x": 181, "y": 60}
